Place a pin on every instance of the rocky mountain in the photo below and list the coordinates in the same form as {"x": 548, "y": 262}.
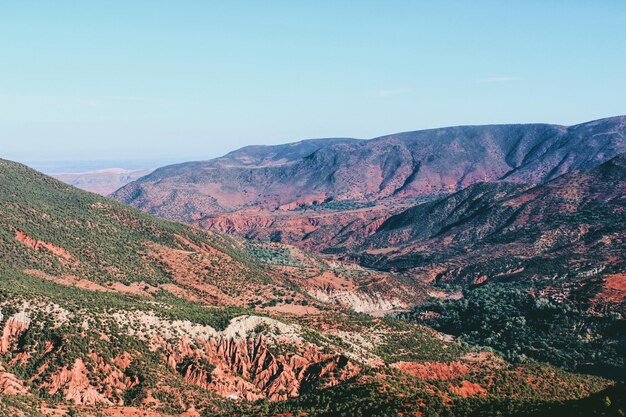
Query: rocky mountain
{"x": 345, "y": 178}
{"x": 109, "y": 311}
{"x": 573, "y": 224}
{"x": 103, "y": 181}
{"x": 549, "y": 257}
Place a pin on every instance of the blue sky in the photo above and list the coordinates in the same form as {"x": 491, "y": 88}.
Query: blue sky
{"x": 179, "y": 80}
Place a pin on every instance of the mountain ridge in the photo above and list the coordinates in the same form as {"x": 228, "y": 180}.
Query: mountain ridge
{"x": 382, "y": 173}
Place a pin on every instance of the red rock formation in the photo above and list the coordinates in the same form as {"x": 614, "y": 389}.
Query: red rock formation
{"x": 433, "y": 370}
{"x": 13, "y": 328}
{"x": 76, "y": 386}
{"x": 248, "y": 369}
{"x": 116, "y": 382}
{"x": 467, "y": 388}
{"x": 10, "y": 384}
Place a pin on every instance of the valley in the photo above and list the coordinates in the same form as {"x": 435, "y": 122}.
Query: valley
{"x": 312, "y": 209}
{"x": 332, "y": 291}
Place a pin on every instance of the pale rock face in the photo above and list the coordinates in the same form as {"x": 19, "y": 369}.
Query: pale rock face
{"x": 146, "y": 325}
{"x": 244, "y": 326}
{"x": 359, "y": 346}
{"x": 359, "y": 302}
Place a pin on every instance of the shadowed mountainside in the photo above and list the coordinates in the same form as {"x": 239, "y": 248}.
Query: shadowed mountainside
{"x": 533, "y": 271}
{"x": 573, "y": 223}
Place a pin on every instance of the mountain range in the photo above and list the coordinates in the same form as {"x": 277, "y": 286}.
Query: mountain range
{"x": 464, "y": 271}
{"x": 539, "y": 207}
{"x": 317, "y": 194}
{"x": 102, "y": 181}
{"x": 106, "y": 308}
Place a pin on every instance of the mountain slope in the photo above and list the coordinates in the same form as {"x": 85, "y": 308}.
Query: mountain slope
{"x": 534, "y": 271}
{"x": 108, "y": 311}
{"x": 86, "y": 240}
{"x": 400, "y": 166}
{"x": 576, "y": 221}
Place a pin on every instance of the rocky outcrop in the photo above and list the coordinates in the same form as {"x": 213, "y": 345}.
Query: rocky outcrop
{"x": 76, "y": 386}
{"x": 13, "y": 329}
{"x": 116, "y": 381}
{"x": 247, "y": 369}
{"x": 252, "y": 358}
{"x": 365, "y": 292}
{"x": 10, "y": 384}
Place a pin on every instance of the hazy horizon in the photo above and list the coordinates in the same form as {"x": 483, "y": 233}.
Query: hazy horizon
{"x": 63, "y": 166}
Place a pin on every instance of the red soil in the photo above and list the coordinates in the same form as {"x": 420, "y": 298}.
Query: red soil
{"x": 613, "y": 289}
{"x": 433, "y": 370}
{"x": 467, "y": 389}
{"x": 40, "y": 244}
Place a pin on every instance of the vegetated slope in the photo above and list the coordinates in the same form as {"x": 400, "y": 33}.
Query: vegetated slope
{"x": 233, "y": 192}
{"x": 573, "y": 224}
{"x": 69, "y": 236}
{"x": 542, "y": 268}
{"x": 103, "y": 181}
{"x": 90, "y": 351}
{"x": 108, "y": 311}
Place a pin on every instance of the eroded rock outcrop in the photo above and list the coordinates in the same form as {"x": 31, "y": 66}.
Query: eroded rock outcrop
{"x": 375, "y": 304}
{"x": 76, "y": 386}
{"x": 13, "y": 329}
{"x": 10, "y": 384}
{"x": 248, "y": 369}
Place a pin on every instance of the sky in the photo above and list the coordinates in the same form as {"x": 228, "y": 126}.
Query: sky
{"x": 189, "y": 79}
